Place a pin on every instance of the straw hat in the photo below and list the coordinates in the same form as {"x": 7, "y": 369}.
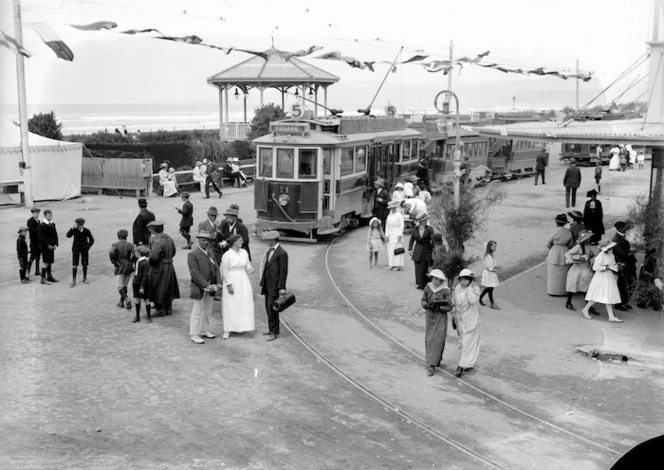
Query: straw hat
{"x": 204, "y": 234}
{"x": 437, "y": 273}
{"x": 156, "y": 223}
{"x": 466, "y": 273}
{"x": 164, "y": 165}
{"x": 270, "y": 235}
{"x": 584, "y": 235}
{"x": 399, "y": 186}
{"x": 392, "y": 204}
{"x": 22, "y": 228}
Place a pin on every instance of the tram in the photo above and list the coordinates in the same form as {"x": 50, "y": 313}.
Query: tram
{"x": 315, "y": 176}
{"x": 584, "y": 154}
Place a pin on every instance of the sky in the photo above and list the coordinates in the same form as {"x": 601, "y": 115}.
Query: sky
{"x": 606, "y": 36}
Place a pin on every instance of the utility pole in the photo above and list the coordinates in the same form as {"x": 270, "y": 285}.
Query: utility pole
{"x": 577, "y": 84}
{"x": 449, "y": 74}
{"x": 26, "y": 167}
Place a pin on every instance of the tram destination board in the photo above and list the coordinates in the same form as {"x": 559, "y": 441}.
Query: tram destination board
{"x": 290, "y": 128}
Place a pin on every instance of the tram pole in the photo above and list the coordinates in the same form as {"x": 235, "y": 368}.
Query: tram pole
{"x": 457, "y": 142}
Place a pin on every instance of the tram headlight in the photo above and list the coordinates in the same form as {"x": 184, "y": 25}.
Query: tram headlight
{"x": 284, "y": 200}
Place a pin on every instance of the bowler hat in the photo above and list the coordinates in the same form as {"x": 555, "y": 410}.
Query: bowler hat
{"x": 156, "y": 223}
{"x": 142, "y": 202}
{"x": 438, "y": 274}
{"x": 80, "y": 221}
{"x": 22, "y": 228}
{"x": 562, "y": 218}
{"x": 591, "y": 193}
{"x": 466, "y": 273}
{"x": 576, "y": 215}
{"x": 212, "y": 211}
{"x": 270, "y": 235}
{"x": 35, "y": 209}
{"x": 204, "y": 234}
{"x": 232, "y": 212}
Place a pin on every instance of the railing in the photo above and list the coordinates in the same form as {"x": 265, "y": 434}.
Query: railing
{"x": 235, "y": 130}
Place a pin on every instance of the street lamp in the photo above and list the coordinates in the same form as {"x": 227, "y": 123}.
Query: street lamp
{"x": 457, "y": 142}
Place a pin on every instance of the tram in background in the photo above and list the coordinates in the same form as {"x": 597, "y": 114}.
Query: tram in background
{"x": 315, "y": 176}
{"x": 584, "y": 154}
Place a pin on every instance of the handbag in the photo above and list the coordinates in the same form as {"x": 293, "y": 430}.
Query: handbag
{"x": 399, "y": 251}
{"x": 283, "y": 302}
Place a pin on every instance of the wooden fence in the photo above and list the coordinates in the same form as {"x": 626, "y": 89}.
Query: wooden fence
{"x": 128, "y": 174}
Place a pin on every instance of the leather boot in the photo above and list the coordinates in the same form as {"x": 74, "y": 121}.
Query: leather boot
{"x": 147, "y": 313}
{"x": 123, "y": 293}
{"x": 137, "y": 318}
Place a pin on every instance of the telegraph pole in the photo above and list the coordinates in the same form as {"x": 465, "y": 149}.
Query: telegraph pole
{"x": 577, "y": 84}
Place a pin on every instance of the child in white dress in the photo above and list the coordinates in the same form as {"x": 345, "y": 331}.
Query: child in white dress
{"x": 489, "y": 275}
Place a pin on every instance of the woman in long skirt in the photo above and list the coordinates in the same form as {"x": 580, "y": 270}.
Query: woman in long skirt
{"x": 467, "y": 319}
{"x": 580, "y": 272}
{"x": 437, "y": 302}
{"x": 237, "y": 301}
{"x": 394, "y": 234}
{"x": 604, "y": 285}
{"x": 420, "y": 249}
{"x": 556, "y": 268}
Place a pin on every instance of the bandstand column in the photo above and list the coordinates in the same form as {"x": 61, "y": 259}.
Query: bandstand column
{"x": 283, "y": 99}
{"x": 244, "y": 102}
{"x": 226, "y": 98}
{"x": 261, "y": 89}
{"x": 325, "y": 99}
{"x": 221, "y": 113}
{"x": 316, "y": 101}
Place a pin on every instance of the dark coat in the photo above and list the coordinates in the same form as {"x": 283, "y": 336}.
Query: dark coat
{"x": 21, "y": 247}
{"x": 204, "y": 271}
{"x": 423, "y": 245}
{"x": 207, "y": 226}
{"x": 33, "y": 230}
{"x": 142, "y": 279}
{"x": 120, "y": 255}
{"x": 239, "y": 228}
{"x": 163, "y": 280}
{"x": 380, "y": 209}
{"x": 541, "y": 162}
{"x": 140, "y": 230}
{"x": 593, "y": 218}
{"x": 274, "y": 272}
{"x": 83, "y": 239}
{"x": 624, "y": 256}
{"x": 572, "y": 178}
{"x": 48, "y": 235}
{"x": 187, "y": 212}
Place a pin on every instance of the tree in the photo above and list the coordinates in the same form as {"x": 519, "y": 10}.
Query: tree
{"x": 260, "y": 124}
{"x": 45, "y": 125}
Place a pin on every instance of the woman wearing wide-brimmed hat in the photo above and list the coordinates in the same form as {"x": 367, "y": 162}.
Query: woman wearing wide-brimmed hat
{"x": 166, "y": 181}
{"x": 557, "y": 267}
{"x": 604, "y": 285}
{"x": 420, "y": 249}
{"x": 580, "y": 272}
{"x": 466, "y": 299}
{"x": 394, "y": 225}
{"x": 576, "y": 227}
{"x": 436, "y": 300}
{"x": 593, "y": 217}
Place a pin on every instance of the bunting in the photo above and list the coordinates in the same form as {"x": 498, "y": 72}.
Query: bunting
{"x": 52, "y": 40}
{"x": 11, "y": 44}
{"x": 97, "y": 26}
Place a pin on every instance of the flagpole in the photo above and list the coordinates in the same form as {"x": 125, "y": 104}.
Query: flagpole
{"x": 26, "y": 167}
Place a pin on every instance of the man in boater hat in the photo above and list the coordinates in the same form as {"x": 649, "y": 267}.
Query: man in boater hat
{"x": 163, "y": 280}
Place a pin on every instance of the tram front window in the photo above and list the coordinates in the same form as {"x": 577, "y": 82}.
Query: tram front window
{"x": 307, "y": 164}
{"x": 285, "y": 163}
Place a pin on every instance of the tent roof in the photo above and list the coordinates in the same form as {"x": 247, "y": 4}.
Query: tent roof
{"x": 10, "y": 138}
{"x": 273, "y": 71}
{"x": 626, "y": 131}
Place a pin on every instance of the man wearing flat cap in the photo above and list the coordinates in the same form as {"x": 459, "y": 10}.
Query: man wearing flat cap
{"x": 211, "y": 225}
{"x": 205, "y": 281}
{"x": 627, "y": 263}
{"x": 274, "y": 272}
{"x": 140, "y": 229}
{"x": 187, "y": 220}
{"x": 163, "y": 280}
{"x": 35, "y": 245}
{"x": 381, "y": 198}
{"x": 80, "y": 248}
{"x": 232, "y": 226}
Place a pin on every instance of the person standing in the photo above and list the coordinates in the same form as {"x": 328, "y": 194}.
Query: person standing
{"x": 577, "y": 226}
{"x": 375, "y": 241}
{"x": 394, "y": 226}
{"x": 232, "y": 226}
{"x": 420, "y": 249}
{"x": 48, "y": 238}
{"x": 580, "y": 272}
{"x": 603, "y": 286}
{"x": 381, "y": 198}
{"x": 208, "y": 169}
{"x": 205, "y": 281}
{"x": 398, "y": 195}
{"x": 140, "y": 230}
{"x": 593, "y": 217}
{"x": 422, "y": 172}
{"x": 436, "y": 300}
{"x": 187, "y": 220}
{"x": 237, "y": 301}
{"x": 614, "y": 163}
{"x": 35, "y": 245}
{"x": 274, "y": 273}
{"x": 641, "y": 158}
{"x": 541, "y": 162}
{"x": 571, "y": 181}
{"x": 556, "y": 267}
{"x": 80, "y": 249}
{"x": 163, "y": 280}
{"x": 120, "y": 255}
{"x": 141, "y": 284}
{"x": 489, "y": 275}
{"x": 598, "y": 175}
{"x": 22, "y": 254}
{"x": 624, "y": 256}
{"x": 467, "y": 319}
{"x": 211, "y": 226}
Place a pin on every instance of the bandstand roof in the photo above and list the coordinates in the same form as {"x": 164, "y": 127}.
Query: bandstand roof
{"x": 273, "y": 72}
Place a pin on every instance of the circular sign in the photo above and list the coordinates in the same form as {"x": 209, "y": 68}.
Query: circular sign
{"x": 435, "y": 103}
{"x": 391, "y": 110}
{"x": 297, "y": 110}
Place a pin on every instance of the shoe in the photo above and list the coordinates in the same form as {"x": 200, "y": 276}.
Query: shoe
{"x": 25, "y": 281}
{"x": 85, "y": 280}
{"x": 627, "y": 306}
{"x": 128, "y": 304}
{"x": 226, "y": 335}
{"x": 482, "y": 303}
{"x": 121, "y": 304}
{"x": 207, "y": 334}
{"x": 272, "y": 337}
{"x": 52, "y": 279}
{"x": 620, "y": 307}
{"x": 430, "y": 371}
{"x": 438, "y": 365}
{"x": 592, "y": 311}
{"x": 495, "y": 307}
{"x": 149, "y": 320}
{"x": 268, "y": 333}
{"x": 467, "y": 369}
{"x": 72, "y": 283}
{"x": 585, "y": 314}
{"x": 158, "y": 313}
{"x": 220, "y": 194}
{"x": 136, "y": 320}
{"x": 569, "y": 306}
{"x": 45, "y": 282}
{"x": 197, "y": 339}
{"x": 458, "y": 372}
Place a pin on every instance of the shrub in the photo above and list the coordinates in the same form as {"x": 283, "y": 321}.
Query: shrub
{"x": 45, "y": 125}
{"x": 260, "y": 124}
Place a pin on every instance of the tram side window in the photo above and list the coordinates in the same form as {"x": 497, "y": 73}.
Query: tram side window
{"x": 406, "y": 150}
{"x": 265, "y": 163}
{"x": 360, "y": 160}
{"x": 327, "y": 161}
{"x": 414, "y": 149}
{"x": 308, "y": 164}
{"x": 285, "y": 163}
{"x": 346, "y": 161}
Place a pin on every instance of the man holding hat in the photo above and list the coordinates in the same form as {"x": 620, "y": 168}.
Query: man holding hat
{"x": 211, "y": 226}
{"x": 187, "y": 220}
{"x": 571, "y": 181}
{"x": 205, "y": 281}
{"x": 627, "y": 262}
{"x": 35, "y": 246}
{"x": 80, "y": 248}
{"x": 232, "y": 226}
{"x": 140, "y": 229}
{"x": 274, "y": 272}
{"x": 381, "y": 198}
{"x": 48, "y": 238}
{"x": 163, "y": 280}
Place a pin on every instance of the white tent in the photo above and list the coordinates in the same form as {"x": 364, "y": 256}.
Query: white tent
{"x": 56, "y": 165}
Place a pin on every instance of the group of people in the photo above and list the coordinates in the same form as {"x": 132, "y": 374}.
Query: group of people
{"x": 624, "y": 157}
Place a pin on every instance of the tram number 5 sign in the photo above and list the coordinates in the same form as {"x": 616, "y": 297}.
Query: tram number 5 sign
{"x": 391, "y": 111}
{"x": 297, "y": 110}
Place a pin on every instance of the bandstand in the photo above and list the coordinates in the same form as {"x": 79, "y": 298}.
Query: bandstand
{"x": 275, "y": 72}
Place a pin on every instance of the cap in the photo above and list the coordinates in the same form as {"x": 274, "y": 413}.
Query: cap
{"x": 270, "y": 235}
{"x": 142, "y": 202}
{"x": 35, "y": 209}
{"x": 80, "y": 221}
{"x": 620, "y": 226}
{"x": 184, "y": 194}
{"x": 22, "y": 228}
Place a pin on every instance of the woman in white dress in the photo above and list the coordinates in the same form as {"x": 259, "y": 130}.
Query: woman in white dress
{"x": 467, "y": 320}
{"x": 604, "y": 285}
{"x": 166, "y": 182}
{"x": 489, "y": 275}
{"x": 237, "y": 301}
{"x": 394, "y": 225}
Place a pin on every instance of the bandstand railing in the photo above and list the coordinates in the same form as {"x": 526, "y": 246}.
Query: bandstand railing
{"x": 234, "y": 130}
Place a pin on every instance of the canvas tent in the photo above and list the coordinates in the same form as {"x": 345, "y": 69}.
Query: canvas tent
{"x": 56, "y": 166}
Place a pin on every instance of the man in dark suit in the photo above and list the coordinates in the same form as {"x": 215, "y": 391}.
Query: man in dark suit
{"x": 541, "y": 162}
{"x": 211, "y": 225}
{"x": 232, "y": 226}
{"x": 381, "y": 198}
{"x": 48, "y": 238}
{"x": 187, "y": 220}
{"x": 571, "y": 181}
{"x": 274, "y": 272}
{"x": 163, "y": 280}
{"x": 140, "y": 229}
{"x": 627, "y": 263}
{"x": 35, "y": 245}
{"x": 208, "y": 169}
{"x": 205, "y": 281}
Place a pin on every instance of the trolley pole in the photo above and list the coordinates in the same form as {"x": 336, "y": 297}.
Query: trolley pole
{"x": 457, "y": 142}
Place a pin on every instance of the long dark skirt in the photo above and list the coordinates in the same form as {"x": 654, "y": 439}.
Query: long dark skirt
{"x": 434, "y": 337}
{"x": 421, "y": 268}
